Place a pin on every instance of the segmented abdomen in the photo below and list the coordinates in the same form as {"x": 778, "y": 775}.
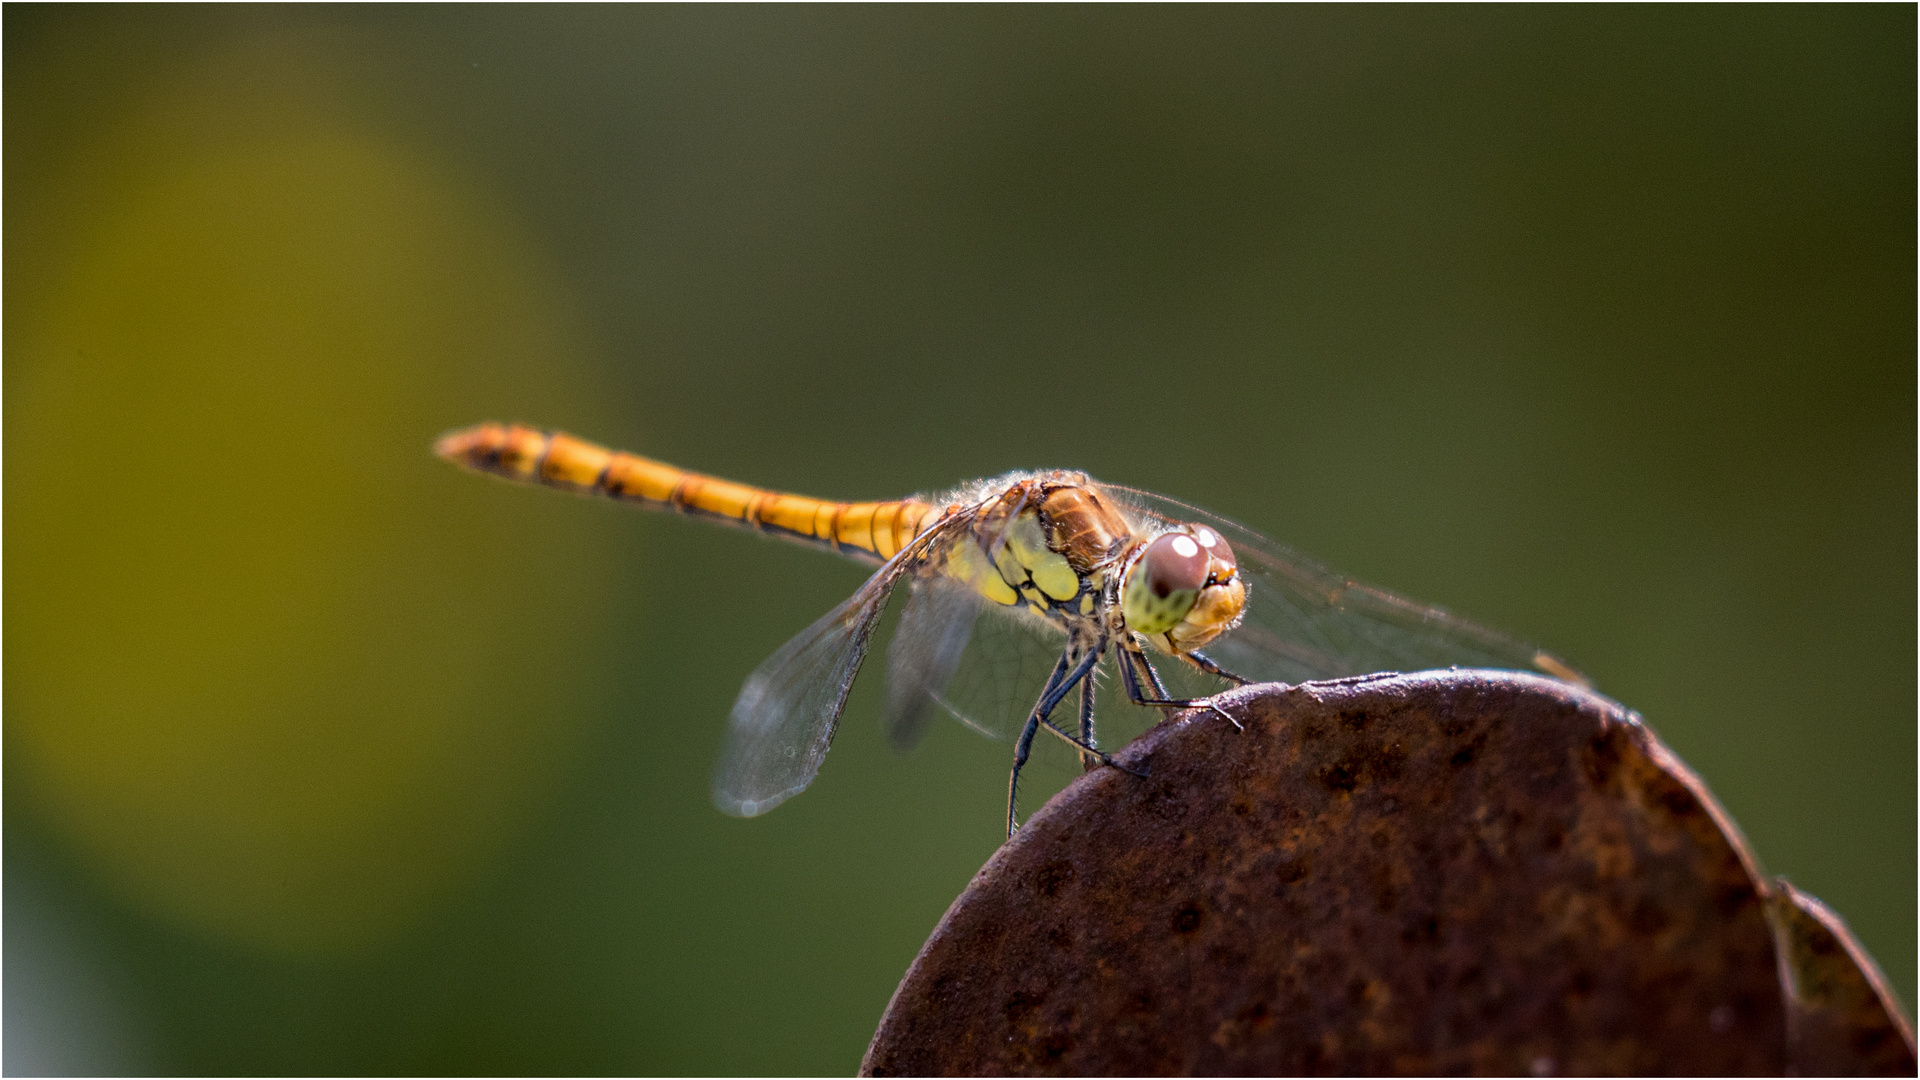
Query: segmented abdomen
{"x": 866, "y": 530}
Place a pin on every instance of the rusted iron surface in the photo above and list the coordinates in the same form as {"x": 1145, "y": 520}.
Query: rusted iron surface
{"x": 1437, "y": 873}
{"x": 1842, "y": 1019}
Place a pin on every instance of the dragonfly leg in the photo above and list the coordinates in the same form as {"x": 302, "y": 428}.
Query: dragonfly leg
{"x": 1025, "y": 745}
{"x": 1205, "y": 663}
{"x": 1132, "y": 659}
{"x": 1097, "y": 754}
{"x": 1133, "y": 663}
{"x": 1087, "y": 761}
{"x": 1043, "y": 712}
{"x": 1020, "y": 751}
{"x": 1059, "y": 684}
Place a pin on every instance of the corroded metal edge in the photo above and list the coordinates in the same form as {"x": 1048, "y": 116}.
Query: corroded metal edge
{"x": 1842, "y": 1017}
{"x": 1072, "y": 804}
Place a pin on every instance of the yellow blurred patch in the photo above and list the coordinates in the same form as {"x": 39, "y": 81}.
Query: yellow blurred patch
{"x": 265, "y": 671}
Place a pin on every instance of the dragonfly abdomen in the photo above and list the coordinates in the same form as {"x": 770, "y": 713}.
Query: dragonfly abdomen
{"x": 865, "y": 530}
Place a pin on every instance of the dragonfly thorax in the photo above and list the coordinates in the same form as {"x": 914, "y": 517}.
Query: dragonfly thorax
{"x": 1046, "y": 543}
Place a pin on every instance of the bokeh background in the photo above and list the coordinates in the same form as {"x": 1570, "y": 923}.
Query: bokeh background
{"x": 1595, "y": 324}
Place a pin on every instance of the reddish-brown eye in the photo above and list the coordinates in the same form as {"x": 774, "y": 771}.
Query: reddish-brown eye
{"x": 1174, "y": 563}
{"x": 1216, "y": 546}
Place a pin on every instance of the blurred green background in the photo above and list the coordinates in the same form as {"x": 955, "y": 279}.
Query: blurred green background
{"x": 1595, "y": 324}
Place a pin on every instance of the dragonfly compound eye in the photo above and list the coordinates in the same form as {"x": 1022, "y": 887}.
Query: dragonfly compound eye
{"x": 1223, "y": 597}
{"x": 1163, "y": 583}
{"x": 1220, "y": 561}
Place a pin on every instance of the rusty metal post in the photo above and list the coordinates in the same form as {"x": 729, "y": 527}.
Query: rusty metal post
{"x": 1437, "y": 873}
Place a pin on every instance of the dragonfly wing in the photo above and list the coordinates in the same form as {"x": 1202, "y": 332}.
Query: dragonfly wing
{"x": 925, "y": 652}
{"x": 954, "y": 650}
{"x": 1304, "y": 621}
{"x": 784, "y": 719}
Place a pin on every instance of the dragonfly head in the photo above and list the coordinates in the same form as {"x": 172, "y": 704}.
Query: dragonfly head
{"x": 1183, "y": 589}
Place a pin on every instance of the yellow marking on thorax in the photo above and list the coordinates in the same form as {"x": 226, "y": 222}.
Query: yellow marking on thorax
{"x": 968, "y": 563}
{"x": 526, "y": 454}
{"x": 1022, "y": 564}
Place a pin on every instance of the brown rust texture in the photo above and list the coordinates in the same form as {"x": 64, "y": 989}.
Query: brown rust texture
{"x": 1842, "y": 1019}
{"x": 1452, "y": 872}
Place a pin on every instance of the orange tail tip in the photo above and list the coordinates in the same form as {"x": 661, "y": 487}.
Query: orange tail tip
{"x": 505, "y": 450}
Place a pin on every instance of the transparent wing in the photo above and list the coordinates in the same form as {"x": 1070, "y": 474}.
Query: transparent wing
{"x": 926, "y": 650}
{"x": 984, "y": 665}
{"x": 992, "y": 684}
{"x": 784, "y": 719}
{"x": 1304, "y": 621}
{"x": 954, "y": 651}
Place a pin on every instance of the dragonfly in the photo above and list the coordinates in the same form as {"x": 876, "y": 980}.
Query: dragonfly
{"x": 1052, "y": 562}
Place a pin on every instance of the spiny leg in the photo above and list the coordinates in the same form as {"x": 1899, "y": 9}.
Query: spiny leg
{"x": 1133, "y": 659}
{"x": 1205, "y": 663}
{"x": 1132, "y": 666}
{"x": 1020, "y": 750}
{"x": 1044, "y": 711}
{"x": 1099, "y": 755}
{"x": 1087, "y": 761}
{"x": 1025, "y": 745}
{"x": 1058, "y": 686}
{"x": 1129, "y": 679}
{"x": 1139, "y": 664}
